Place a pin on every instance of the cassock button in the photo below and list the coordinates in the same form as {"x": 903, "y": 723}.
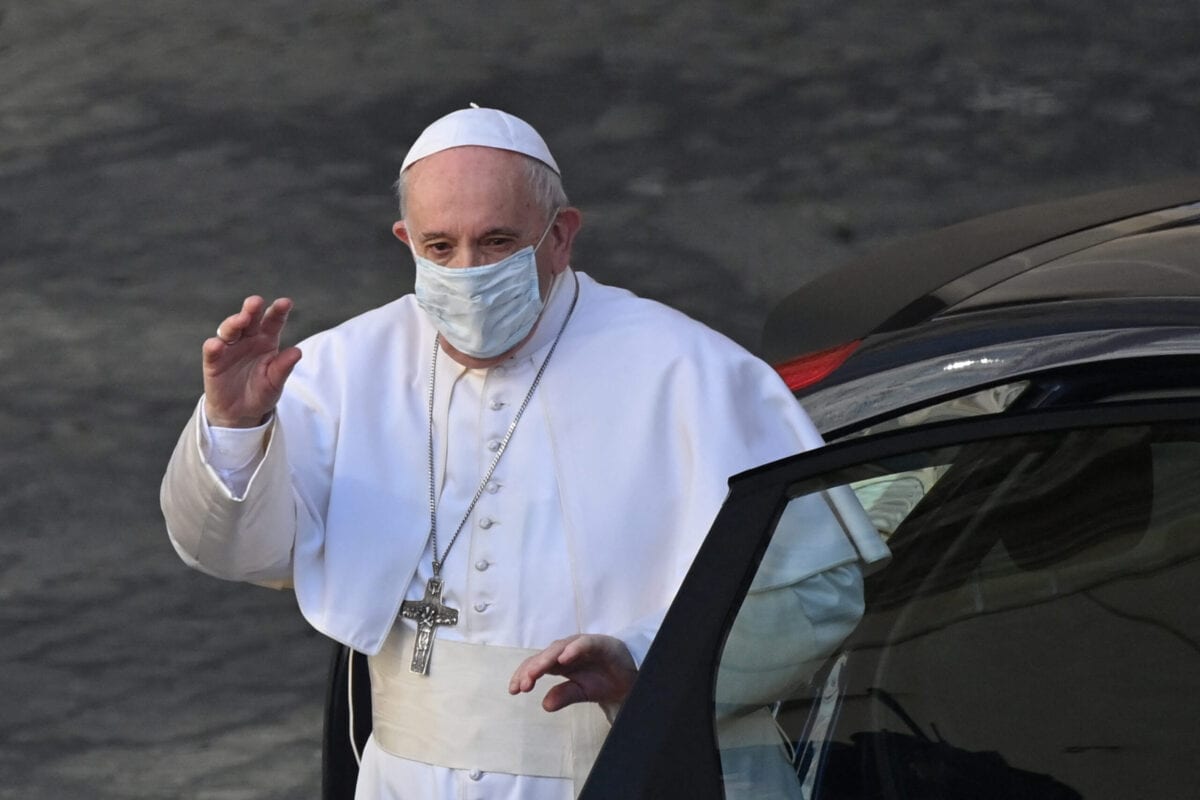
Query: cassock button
{"x": 486, "y": 523}
{"x": 482, "y": 564}
{"x": 493, "y": 487}
{"x": 481, "y": 607}
{"x": 498, "y": 371}
{"x": 497, "y": 405}
{"x": 493, "y": 445}
{"x": 474, "y": 774}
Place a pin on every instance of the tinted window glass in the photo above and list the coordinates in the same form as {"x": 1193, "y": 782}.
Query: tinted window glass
{"x": 1034, "y": 635}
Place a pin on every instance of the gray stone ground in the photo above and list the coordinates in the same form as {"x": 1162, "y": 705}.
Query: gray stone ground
{"x": 159, "y": 160}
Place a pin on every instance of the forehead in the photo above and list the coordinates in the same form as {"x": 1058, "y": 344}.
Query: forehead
{"x": 468, "y": 187}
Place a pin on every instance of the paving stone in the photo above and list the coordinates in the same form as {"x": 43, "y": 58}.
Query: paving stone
{"x": 160, "y": 160}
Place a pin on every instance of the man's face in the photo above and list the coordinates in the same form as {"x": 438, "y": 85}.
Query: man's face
{"x": 470, "y": 206}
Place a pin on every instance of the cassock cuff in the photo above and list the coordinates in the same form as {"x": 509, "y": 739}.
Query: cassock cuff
{"x": 230, "y": 449}
{"x": 638, "y": 636}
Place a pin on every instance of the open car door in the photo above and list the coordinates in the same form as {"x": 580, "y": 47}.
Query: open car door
{"x": 1034, "y": 634}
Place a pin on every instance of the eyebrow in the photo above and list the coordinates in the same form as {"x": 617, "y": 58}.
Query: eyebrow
{"x": 498, "y": 231}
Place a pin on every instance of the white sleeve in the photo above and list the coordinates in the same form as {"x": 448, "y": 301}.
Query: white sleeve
{"x": 638, "y": 636}
{"x": 783, "y": 634}
{"x": 233, "y": 453}
{"x": 247, "y": 538}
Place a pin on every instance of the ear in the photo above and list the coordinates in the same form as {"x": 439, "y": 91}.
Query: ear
{"x": 562, "y": 236}
{"x": 400, "y": 231}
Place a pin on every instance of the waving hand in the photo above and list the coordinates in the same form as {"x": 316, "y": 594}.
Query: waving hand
{"x": 244, "y": 369}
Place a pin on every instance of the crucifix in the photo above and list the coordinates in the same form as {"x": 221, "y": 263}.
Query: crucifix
{"x": 429, "y": 613}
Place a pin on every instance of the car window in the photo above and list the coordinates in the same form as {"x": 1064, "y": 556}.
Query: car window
{"x": 1035, "y": 633}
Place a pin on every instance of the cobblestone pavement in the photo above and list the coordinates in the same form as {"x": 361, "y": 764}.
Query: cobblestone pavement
{"x": 159, "y": 160}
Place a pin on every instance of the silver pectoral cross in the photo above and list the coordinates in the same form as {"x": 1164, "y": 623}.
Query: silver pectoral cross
{"x": 429, "y": 613}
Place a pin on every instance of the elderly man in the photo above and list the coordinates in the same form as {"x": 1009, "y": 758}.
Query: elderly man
{"x": 500, "y": 478}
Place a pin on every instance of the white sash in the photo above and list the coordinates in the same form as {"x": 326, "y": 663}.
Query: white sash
{"x": 461, "y": 715}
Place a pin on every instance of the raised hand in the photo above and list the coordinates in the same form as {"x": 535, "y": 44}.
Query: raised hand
{"x": 244, "y": 369}
{"x": 598, "y": 669}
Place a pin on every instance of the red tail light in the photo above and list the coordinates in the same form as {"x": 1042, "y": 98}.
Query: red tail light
{"x": 806, "y": 370}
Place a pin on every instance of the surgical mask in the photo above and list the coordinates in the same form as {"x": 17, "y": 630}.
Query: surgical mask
{"x": 482, "y": 311}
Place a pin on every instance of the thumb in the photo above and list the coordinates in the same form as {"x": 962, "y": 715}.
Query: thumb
{"x": 562, "y": 695}
{"x": 281, "y": 366}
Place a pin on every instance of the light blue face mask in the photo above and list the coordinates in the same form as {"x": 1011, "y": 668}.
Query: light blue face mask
{"x": 483, "y": 311}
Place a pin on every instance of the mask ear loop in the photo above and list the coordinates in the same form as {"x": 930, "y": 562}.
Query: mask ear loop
{"x": 545, "y": 233}
{"x": 350, "y": 704}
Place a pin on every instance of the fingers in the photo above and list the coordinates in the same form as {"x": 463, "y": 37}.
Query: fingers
{"x": 550, "y": 661}
{"x": 244, "y": 368}
{"x": 254, "y": 318}
{"x": 212, "y": 350}
{"x": 598, "y": 668}
{"x": 534, "y": 667}
{"x": 252, "y": 311}
{"x": 564, "y": 694}
{"x": 565, "y": 656}
{"x": 275, "y": 317}
{"x": 235, "y": 327}
{"x": 578, "y": 647}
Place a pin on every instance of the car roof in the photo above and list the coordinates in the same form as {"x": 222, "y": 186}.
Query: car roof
{"x": 898, "y": 285}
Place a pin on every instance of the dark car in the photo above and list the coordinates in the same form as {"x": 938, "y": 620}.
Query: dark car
{"x": 1110, "y": 278}
{"x": 1015, "y": 403}
{"x": 1013, "y": 406}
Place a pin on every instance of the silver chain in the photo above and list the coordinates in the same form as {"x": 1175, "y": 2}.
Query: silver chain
{"x": 438, "y": 561}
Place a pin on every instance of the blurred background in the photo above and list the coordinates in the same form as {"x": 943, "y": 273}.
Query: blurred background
{"x": 160, "y": 160}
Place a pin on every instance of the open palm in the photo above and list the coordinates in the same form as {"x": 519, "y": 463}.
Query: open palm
{"x": 244, "y": 368}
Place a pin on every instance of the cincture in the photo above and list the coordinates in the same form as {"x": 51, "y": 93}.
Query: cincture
{"x": 461, "y": 715}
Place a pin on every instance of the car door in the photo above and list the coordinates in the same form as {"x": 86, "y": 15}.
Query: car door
{"x": 1034, "y": 633}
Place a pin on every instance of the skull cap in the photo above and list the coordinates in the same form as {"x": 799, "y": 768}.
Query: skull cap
{"x": 482, "y": 127}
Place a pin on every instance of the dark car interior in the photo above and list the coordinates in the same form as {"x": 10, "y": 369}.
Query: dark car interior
{"x": 1035, "y": 635}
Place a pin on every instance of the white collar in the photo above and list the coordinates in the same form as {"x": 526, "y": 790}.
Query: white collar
{"x": 558, "y": 305}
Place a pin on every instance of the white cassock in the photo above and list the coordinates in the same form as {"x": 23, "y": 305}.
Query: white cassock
{"x": 593, "y": 515}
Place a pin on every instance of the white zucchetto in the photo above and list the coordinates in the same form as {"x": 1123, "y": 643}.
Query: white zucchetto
{"x": 483, "y": 127}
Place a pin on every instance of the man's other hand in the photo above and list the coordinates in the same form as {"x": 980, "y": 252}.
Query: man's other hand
{"x": 598, "y": 669}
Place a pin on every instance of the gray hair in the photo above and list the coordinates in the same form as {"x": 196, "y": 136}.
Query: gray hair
{"x": 544, "y": 184}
